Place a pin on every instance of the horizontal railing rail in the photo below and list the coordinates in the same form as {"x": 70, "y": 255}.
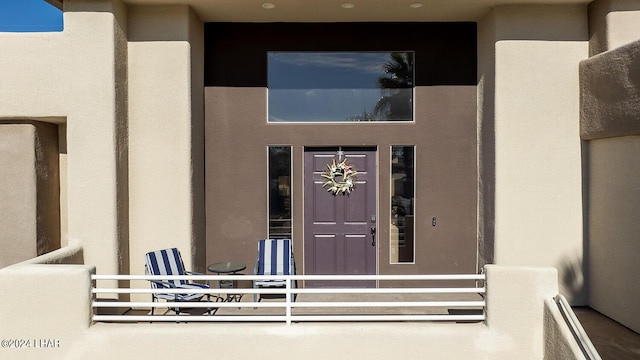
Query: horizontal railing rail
{"x": 581, "y": 337}
{"x": 419, "y": 303}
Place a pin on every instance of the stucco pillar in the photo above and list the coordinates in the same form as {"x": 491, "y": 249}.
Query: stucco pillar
{"x": 29, "y": 191}
{"x": 530, "y": 154}
{"x": 166, "y": 133}
{"x": 95, "y": 37}
{"x": 517, "y": 320}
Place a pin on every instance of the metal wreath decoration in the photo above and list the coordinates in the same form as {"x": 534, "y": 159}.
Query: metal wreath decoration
{"x": 341, "y": 178}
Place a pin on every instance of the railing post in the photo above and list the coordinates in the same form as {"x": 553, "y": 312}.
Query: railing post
{"x": 288, "y": 300}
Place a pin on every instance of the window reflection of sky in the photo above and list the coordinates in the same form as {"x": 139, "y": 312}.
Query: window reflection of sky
{"x": 310, "y": 86}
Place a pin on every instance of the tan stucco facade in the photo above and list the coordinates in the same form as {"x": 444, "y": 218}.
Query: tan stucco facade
{"x": 166, "y": 194}
{"x": 530, "y": 148}
{"x": 443, "y": 132}
{"x": 523, "y": 322}
{"x": 30, "y": 200}
{"x": 41, "y": 82}
{"x": 123, "y": 89}
{"x": 610, "y": 84}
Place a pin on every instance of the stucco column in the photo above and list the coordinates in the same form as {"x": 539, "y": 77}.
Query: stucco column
{"x": 166, "y": 133}
{"x": 530, "y": 155}
{"x": 94, "y": 35}
{"x": 515, "y": 307}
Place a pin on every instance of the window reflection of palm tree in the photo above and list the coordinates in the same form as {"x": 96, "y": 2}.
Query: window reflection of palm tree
{"x": 394, "y": 104}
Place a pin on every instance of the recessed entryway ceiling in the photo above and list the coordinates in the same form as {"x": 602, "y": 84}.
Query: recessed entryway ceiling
{"x": 343, "y": 10}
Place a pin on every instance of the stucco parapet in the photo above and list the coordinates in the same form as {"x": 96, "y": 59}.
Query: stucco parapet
{"x": 70, "y": 255}
{"x": 610, "y": 93}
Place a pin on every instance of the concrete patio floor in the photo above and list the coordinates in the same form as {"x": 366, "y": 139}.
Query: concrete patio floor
{"x": 612, "y": 340}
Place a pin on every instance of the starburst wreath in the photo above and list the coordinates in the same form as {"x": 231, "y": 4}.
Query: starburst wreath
{"x": 341, "y": 178}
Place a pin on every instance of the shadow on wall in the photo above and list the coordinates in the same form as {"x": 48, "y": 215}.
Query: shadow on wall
{"x": 571, "y": 278}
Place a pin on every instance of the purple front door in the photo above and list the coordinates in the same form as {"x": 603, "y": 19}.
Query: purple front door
{"x": 338, "y": 237}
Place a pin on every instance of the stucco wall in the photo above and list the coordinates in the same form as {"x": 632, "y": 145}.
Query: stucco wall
{"x": 486, "y": 139}
{"x": 613, "y": 23}
{"x": 610, "y": 83}
{"x": 77, "y": 75}
{"x": 614, "y": 203}
{"x": 165, "y": 133}
{"x": 96, "y": 130}
{"x": 49, "y": 318}
{"x": 111, "y": 88}
{"x": 610, "y": 96}
{"x": 29, "y": 191}
{"x": 559, "y": 342}
{"x": 515, "y": 328}
{"x": 444, "y": 133}
{"x": 536, "y": 165}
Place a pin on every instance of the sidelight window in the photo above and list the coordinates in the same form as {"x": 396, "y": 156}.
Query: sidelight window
{"x": 279, "y": 192}
{"x": 402, "y": 232}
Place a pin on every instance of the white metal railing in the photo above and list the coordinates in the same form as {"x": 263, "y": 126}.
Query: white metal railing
{"x": 576, "y": 328}
{"x": 312, "y": 307}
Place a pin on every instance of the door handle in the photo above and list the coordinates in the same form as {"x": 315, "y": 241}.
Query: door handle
{"x": 373, "y": 230}
{"x": 373, "y": 236}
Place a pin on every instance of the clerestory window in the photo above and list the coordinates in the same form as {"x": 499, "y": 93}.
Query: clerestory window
{"x": 340, "y": 86}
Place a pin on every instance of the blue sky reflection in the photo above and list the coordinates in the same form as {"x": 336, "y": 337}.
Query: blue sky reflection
{"x": 313, "y": 86}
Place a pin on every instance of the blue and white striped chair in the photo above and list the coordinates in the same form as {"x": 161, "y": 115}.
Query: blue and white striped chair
{"x": 275, "y": 257}
{"x": 169, "y": 262}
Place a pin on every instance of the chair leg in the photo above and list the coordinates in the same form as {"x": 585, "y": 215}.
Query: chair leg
{"x": 153, "y": 308}
{"x": 256, "y": 296}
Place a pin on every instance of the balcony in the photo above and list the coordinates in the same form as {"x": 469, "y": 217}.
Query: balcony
{"x": 519, "y": 319}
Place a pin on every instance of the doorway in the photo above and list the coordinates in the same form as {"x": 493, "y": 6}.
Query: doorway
{"x": 340, "y": 230}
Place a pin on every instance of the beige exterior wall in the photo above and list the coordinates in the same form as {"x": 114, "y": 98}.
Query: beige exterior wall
{"x": 486, "y": 139}
{"x": 537, "y": 161}
{"x": 118, "y": 94}
{"x": 165, "y": 133}
{"x": 124, "y": 87}
{"x": 518, "y": 318}
{"x": 610, "y": 82}
{"x": 558, "y": 339}
{"x": 614, "y": 203}
{"x": 444, "y": 136}
{"x": 29, "y": 191}
{"x": 87, "y": 58}
{"x": 613, "y": 23}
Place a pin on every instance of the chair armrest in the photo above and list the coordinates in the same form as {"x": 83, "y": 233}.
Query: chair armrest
{"x": 193, "y": 273}
{"x": 165, "y": 284}
{"x": 197, "y": 273}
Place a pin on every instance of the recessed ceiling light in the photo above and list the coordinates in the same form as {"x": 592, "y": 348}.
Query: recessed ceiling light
{"x": 348, "y": 5}
{"x": 268, "y": 6}
{"x": 415, "y": 5}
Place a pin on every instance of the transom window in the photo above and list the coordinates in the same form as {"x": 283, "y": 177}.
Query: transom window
{"x": 340, "y": 86}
